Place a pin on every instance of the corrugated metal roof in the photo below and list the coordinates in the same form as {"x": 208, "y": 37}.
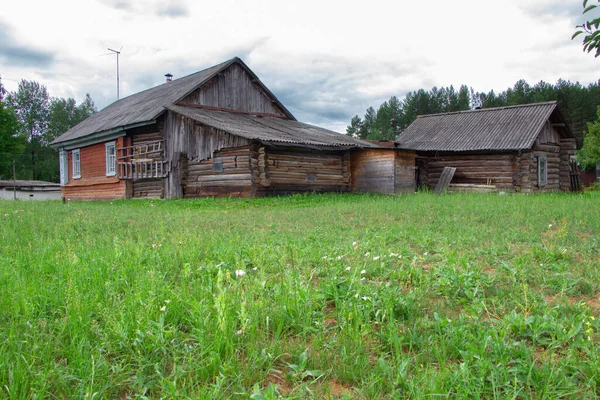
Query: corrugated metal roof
{"x": 22, "y": 183}
{"x": 146, "y": 106}
{"x": 502, "y": 128}
{"x": 269, "y": 129}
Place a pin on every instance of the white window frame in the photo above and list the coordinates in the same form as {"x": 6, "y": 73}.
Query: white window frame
{"x": 76, "y": 161}
{"x": 111, "y": 159}
{"x": 542, "y": 171}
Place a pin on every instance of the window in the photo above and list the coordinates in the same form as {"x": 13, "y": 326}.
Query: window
{"x": 542, "y": 171}
{"x": 76, "y": 164}
{"x": 111, "y": 159}
{"x": 64, "y": 168}
{"x": 218, "y": 166}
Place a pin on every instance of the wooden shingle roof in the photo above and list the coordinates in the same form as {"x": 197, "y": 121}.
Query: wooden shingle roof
{"x": 270, "y": 130}
{"x": 501, "y": 129}
{"x": 144, "y": 107}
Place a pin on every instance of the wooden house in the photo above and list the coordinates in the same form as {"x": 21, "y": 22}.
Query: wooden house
{"x": 218, "y": 132}
{"x": 519, "y": 148}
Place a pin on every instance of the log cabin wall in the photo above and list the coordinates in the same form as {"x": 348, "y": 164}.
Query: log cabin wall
{"x": 93, "y": 183}
{"x": 233, "y": 89}
{"x": 289, "y": 171}
{"x": 186, "y": 144}
{"x": 226, "y": 174}
{"x": 552, "y": 154}
{"x": 147, "y": 188}
{"x": 499, "y": 169}
{"x": 373, "y": 170}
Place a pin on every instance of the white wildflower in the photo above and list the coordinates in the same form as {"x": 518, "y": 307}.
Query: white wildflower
{"x": 167, "y": 301}
{"x": 362, "y": 279}
{"x": 239, "y": 273}
{"x": 550, "y": 226}
{"x": 254, "y": 269}
{"x": 367, "y": 254}
{"x": 376, "y": 258}
{"x": 364, "y": 271}
{"x": 366, "y": 298}
{"x": 239, "y": 332}
{"x": 339, "y": 257}
{"x": 348, "y": 268}
{"x": 163, "y": 308}
{"x": 426, "y": 253}
{"x": 324, "y": 257}
{"x": 355, "y": 245}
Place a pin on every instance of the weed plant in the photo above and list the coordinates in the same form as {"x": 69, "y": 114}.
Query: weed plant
{"x": 313, "y": 296}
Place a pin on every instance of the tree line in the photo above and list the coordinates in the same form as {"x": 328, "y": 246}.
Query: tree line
{"x": 29, "y": 120}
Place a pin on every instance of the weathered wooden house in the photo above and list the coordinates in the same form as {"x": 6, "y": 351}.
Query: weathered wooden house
{"x": 218, "y": 132}
{"x": 519, "y": 148}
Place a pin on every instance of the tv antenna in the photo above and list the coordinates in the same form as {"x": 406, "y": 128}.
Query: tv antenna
{"x": 117, "y": 53}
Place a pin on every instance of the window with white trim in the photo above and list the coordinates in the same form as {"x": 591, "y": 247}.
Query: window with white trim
{"x": 76, "y": 164}
{"x": 64, "y": 167}
{"x": 111, "y": 159}
{"x": 542, "y": 171}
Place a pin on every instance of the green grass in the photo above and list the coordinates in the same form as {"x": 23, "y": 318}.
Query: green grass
{"x": 343, "y": 296}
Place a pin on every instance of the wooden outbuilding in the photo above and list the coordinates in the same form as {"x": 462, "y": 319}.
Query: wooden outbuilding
{"x": 218, "y": 132}
{"x": 523, "y": 148}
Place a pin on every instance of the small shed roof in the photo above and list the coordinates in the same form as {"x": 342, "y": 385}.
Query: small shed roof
{"x": 22, "y": 184}
{"x": 501, "y": 128}
{"x": 267, "y": 129}
{"x": 144, "y": 107}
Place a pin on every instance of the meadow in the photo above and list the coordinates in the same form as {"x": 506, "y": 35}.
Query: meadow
{"x": 314, "y": 296}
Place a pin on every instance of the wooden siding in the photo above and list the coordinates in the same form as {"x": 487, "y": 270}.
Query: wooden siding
{"x": 548, "y": 134}
{"x": 386, "y": 171}
{"x": 189, "y": 140}
{"x": 93, "y": 184}
{"x": 233, "y": 89}
{"x": 373, "y": 170}
{"x": 288, "y": 171}
{"x": 404, "y": 173}
{"x": 234, "y": 180}
{"x": 147, "y": 188}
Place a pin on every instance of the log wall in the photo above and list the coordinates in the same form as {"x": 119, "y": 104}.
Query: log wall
{"x": 188, "y": 141}
{"x": 234, "y": 180}
{"x": 233, "y": 89}
{"x": 288, "y": 171}
{"x": 496, "y": 169}
{"x": 93, "y": 184}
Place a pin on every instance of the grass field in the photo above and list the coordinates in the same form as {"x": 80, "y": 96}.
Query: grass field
{"x": 319, "y": 296}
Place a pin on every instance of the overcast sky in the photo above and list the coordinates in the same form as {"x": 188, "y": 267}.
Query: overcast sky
{"x": 325, "y": 60}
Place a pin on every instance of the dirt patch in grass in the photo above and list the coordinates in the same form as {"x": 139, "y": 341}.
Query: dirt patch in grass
{"x": 591, "y": 302}
{"x": 277, "y": 378}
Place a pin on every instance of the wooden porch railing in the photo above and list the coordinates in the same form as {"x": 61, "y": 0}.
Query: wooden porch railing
{"x": 142, "y": 161}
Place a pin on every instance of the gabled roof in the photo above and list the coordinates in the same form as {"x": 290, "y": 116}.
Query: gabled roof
{"x": 144, "y": 107}
{"x": 501, "y": 128}
{"x": 269, "y": 130}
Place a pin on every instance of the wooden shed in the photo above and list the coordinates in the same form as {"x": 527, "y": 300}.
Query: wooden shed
{"x": 218, "y": 132}
{"x": 519, "y": 148}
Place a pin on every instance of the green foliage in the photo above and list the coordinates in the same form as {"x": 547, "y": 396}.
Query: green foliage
{"x": 41, "y": 119}
{"x": 11, "y": 142}
{"x": 589, "y": 154}
{"x": 311, "y": 296}
{"x": 591, "y": 38}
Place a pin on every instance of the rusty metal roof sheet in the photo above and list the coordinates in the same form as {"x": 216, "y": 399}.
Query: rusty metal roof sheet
{"x": 267, "y": 129}
{"x": 501, "y": 128}
{"x": 145, "y": 106}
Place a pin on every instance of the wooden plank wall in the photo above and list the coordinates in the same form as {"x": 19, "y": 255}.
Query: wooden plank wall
{"x": 373, "y": 170}
{"x": 288, "y": 171}
{"x": 499, "y": 169}
{"x": 233, "y": 89}
{"x": 404, "y": 179}
{"x": 235, "y": 180}
{"x": 147, "y": 188}
{"x": 93, "y": 184}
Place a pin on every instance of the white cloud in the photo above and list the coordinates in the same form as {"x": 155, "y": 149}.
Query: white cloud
{"x": 327, "y": 60}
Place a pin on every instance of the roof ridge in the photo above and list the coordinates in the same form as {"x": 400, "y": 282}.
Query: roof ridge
{"x": 490, "y": 109}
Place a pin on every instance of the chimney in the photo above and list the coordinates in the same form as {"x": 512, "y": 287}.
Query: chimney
{"x": 169, "y": 77}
